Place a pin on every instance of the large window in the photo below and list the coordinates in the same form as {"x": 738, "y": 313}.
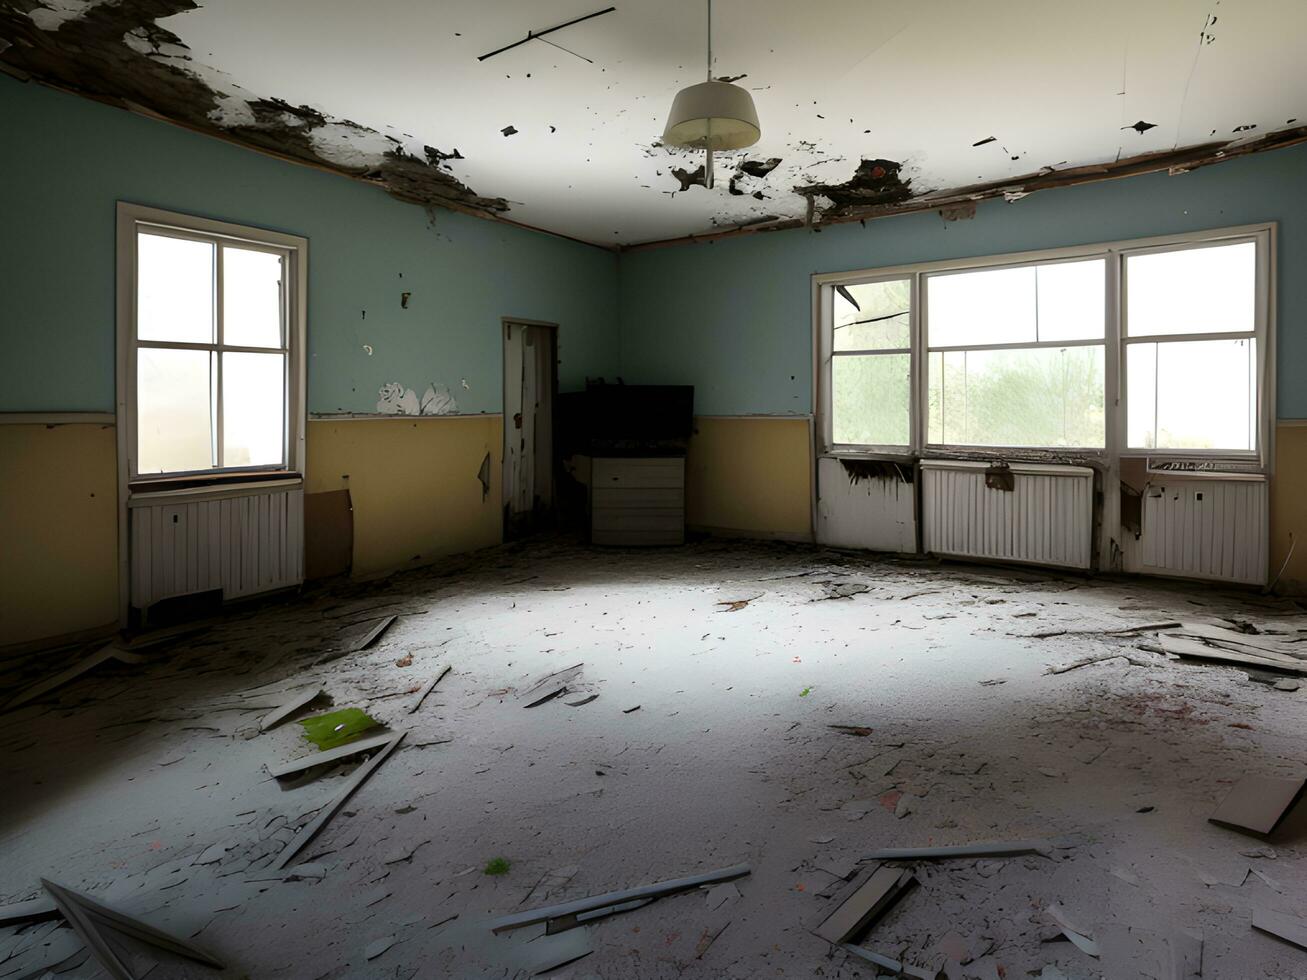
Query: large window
{"x": 211, "y": 349}
{"x": 1155, "y": 347}
{"x": 1191, "y": 348}
{"x": 1015, "y": 356}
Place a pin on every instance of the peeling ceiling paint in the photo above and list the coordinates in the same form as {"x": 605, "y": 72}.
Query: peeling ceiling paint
{"x": 866, "y": 107}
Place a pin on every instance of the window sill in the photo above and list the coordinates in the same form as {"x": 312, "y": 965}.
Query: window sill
{"x": 147, "y": 492}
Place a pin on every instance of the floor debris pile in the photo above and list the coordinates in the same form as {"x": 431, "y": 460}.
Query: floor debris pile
{"x": 947, "y": 771}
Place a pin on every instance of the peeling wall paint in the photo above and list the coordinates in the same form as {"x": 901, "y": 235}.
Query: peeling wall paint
{"x": 364, "y": 250}
{"x": 395, "y": 399}
{"x": 754, "y": 357}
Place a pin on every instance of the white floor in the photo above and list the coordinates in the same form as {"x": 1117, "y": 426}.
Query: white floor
{"x": 117, "y": 783}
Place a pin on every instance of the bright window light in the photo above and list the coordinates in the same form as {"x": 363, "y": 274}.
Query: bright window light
{"x": 202, "y": 402}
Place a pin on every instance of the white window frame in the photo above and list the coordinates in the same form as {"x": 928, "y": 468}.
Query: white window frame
{"x": 1258, "y": 460}
{"x": 927, "y": 350}
{"x": 830, "y": 354}
{"x": 211, "y": 482}
{"x": 134, "y": 219}
{"x": 1262, "y": 299}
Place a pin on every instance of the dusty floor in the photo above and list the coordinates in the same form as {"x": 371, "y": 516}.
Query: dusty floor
{"x": 123, "y": 782}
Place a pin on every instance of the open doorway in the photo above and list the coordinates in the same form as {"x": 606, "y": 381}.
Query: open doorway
{"x": 530, "y": 382}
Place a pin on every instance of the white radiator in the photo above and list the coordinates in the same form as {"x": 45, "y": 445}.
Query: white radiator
{"x": 1046, "y": 519}
{"x": 1206, "y": 528}
{"x": 242, "y": 542}
{"x": 854, "y": 510}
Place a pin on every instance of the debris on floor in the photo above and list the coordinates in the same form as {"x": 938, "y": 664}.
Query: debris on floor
{"x": 427, "y": 688}
{"x": 1258, "y": 803}
{"x": 337, "y": 727}
{"x": 280, "y": 713}
{"x": 147, "y": 787}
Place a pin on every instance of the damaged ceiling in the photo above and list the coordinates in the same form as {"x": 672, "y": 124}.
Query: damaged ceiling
{"x": 866, "y": 107}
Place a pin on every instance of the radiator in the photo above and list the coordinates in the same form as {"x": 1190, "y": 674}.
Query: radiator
{"x": 242, "y": 542}
{"x": 858, "y": 509}
{"x": 1046, "y": 519}
{"x": 1206, "y": 528}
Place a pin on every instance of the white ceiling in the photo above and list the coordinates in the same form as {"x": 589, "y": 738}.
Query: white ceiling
{"x": 1054, "y": 83}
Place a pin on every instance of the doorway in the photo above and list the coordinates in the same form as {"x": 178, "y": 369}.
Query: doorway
{"x": 530, "y": 383}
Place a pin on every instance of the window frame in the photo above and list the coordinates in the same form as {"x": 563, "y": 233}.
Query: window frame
{"x": 134, "y": 219}
{"x": 927, "y": 351}
{"x": 1115, "y": 408}
{"x": 830, "y": 354}
{"x": 1260, "y": 335}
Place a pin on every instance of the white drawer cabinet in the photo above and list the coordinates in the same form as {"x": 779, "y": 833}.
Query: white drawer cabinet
{"x": 637, "y": 500}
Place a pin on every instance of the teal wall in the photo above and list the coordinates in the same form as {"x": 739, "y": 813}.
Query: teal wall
{"x": 66, "y": 161}
{"x": 733, "y": 317}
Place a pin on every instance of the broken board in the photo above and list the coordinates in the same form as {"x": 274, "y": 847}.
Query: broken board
{"x": 426, "y": 689}
{"x": 86, "y": 915}
{"x": 277, "y": 715}
{"x": 996, "y": 849}
{"x": 865, "y": 905}
{"x": 72, "y": 673}
{"x": 1258, "y": 803}
{"x": 609, "y": 899}
{"x": 284, "y": 769}
{"x": 359, "y": 777}
{"x": 1290, "y": 928}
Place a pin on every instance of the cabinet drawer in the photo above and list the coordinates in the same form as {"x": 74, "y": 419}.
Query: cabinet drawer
{"x": 673, "y": 497}
{"x": 644, "y": 472}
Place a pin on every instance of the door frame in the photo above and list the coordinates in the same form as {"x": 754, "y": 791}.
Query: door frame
{"x": 553, "y": 328}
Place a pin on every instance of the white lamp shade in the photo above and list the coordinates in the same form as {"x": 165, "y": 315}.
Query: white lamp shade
{"x": 714, "y": 116}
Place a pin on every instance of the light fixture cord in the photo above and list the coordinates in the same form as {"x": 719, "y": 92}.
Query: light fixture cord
{"x": 708, "y": 181}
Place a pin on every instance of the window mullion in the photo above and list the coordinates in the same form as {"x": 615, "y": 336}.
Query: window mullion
{"x": 217, "y": 371}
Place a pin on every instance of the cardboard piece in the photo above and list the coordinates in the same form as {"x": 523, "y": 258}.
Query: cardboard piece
{"x": 1258, "y": 803}
{"x": 328, "y": 534}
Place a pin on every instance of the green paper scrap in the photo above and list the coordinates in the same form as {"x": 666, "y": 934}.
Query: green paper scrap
{"x": 337, "y": 727}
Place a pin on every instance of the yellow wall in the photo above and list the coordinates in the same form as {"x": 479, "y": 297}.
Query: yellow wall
{"x": 58, "y": 530}
{"x": 413, "y": 483}
{"x": 1289, "y": 508}
{"x": 751, "y": 476}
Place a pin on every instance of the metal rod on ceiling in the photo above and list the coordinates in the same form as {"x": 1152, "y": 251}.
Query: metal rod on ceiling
{"x": 537, "y": 35}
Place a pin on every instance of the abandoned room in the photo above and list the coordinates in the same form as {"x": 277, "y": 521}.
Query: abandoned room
{"x": 701, "y": 489}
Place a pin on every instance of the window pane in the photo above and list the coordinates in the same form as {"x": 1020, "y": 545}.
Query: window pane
{"x": 869, "y": 399}
{"x": 253, "y": 409}
{"x": 1071, "y": 300}
{"x": 872, "y": 315}
{"x": 174, "y": 289}
{"x": 1192, "y": 395}
{"x": 174, "y": 410}
{"x": 1192, "y": 290}
{"x": 1039, "y": 397}
{"x": 996, "y": 306}
{"x": 251, "y": 298}
{"x": 1036, "y": 304}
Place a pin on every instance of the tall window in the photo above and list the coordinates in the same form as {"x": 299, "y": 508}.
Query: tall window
{"x": 1145, "y": 347}
{"x": 1191, "y": 348}
{"x": 871, "y": 367}
{"x": 210, "y": 356}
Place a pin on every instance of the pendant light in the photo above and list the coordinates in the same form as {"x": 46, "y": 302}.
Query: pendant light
{"x": 712, "y": 116}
